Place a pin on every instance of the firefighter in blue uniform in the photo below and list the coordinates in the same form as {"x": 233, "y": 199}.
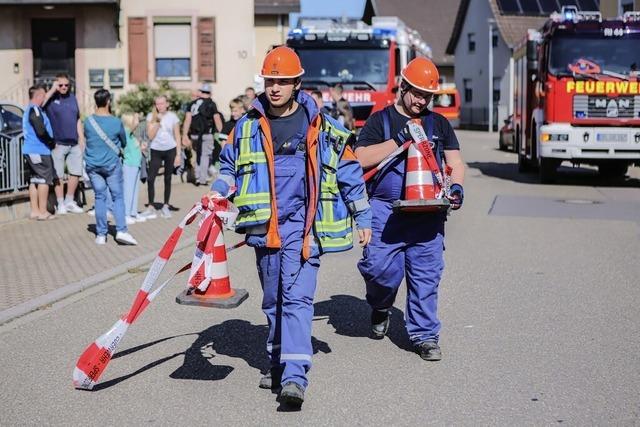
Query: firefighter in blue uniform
{"x": 407, "y": 245}
{"x": 297, "y": 185}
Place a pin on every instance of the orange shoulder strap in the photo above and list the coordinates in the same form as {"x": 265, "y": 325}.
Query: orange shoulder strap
{"x": 273, "y": 235}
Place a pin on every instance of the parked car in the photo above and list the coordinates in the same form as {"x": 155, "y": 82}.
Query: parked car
{"x": 507, "y": 138}
{"x": 10, "y": 118}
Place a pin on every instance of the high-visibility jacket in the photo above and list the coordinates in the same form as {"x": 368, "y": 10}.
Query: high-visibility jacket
{"x": 335, "y": 188}
{"x": 33, "y": 144}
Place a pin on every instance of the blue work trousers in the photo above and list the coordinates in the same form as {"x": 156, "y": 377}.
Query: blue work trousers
{"x": 289, "y": 282}
{"x": 411, "y": 246}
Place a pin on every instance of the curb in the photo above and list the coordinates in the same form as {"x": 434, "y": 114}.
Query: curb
{"x": 75, "y": 287}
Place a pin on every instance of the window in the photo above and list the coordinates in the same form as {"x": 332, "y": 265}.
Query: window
{"x": 496, "y": 89}
{"x": 172, "y": 48}
{"x": 494, "y": 38}
{"x": 468, "y": 92}
{"x": 332, "y": 65}
{"x": 471, "y": 42}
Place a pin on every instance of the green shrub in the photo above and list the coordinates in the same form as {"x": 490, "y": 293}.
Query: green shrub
{"x": 140, "y": 99}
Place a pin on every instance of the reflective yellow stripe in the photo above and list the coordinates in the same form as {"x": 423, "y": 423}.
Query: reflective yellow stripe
{"x": 254, "y": 216}
{"x": 245, "y": 152}
{"x": 332, "y": 227}
{"x": 250, "y": 199}
{"x": 329, "y": 242}
{"x": 243, "y": 158}
{"x": 245, "y": 138}
{"x": 328, "y": 187}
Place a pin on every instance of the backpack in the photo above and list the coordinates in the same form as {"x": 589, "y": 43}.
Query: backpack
{"x": 202, "y": 111}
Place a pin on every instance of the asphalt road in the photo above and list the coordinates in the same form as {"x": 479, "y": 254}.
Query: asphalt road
{"x": 539, "y": 305}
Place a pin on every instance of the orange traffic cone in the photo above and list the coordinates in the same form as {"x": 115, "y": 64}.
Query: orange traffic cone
{"x": 419, "y": 183}
{"x": 209, "y": 284}
{"x": 422, "y": 192}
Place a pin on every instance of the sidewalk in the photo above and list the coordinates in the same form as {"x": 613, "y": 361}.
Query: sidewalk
{"x": 41, "y": 262}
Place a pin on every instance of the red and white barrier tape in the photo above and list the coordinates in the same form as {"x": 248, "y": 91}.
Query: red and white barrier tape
{"x": 94, "y": 360}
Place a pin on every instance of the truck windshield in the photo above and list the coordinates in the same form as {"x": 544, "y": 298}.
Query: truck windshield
{"x": 619, "y": 55}
{"x": 345, "y": 65}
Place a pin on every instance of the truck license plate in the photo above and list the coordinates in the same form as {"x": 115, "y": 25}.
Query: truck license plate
{"x": 612, "y": 137}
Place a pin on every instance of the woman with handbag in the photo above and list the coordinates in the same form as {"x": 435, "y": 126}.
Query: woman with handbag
{"x": 105, "y": 139}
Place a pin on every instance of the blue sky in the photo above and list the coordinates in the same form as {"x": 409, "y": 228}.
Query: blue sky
{"x": 324, "y": 8}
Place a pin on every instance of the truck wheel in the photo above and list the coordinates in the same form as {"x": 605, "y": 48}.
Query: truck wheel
{"x": 547, "y": 170}
{"x": 501, "y": 145}
{"x": 523, "y": 165}
{"x": 613, "y": 171}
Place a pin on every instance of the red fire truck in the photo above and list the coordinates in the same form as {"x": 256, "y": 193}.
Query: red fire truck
{"x": 577, "y": 95}
{"x": 365, "y": 59}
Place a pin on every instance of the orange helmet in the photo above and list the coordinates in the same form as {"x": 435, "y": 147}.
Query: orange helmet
{"x": 281, "y": 63}
{"x": 422, "y": 74}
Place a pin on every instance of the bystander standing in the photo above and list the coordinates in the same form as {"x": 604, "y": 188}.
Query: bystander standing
{"x": 163, "y": 128}
{"x": 62, "y": 109}
{"x": 131, "y": 169}
{"x": 38, "y": 143}
{"x": 105, "y": 140}
{"x": 201, "y": 121}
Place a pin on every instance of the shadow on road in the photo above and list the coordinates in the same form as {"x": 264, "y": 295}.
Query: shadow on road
{"x": 350, "y": 316}
{"x": 234, "y": 338}
{"x": 566, "y": 175}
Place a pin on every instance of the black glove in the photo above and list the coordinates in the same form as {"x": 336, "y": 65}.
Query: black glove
{"x": 403, "y": 136}
{"x": 456, "y": 196}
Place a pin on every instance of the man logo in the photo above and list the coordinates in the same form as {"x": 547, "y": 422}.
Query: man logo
{"x": 612, "y": 108}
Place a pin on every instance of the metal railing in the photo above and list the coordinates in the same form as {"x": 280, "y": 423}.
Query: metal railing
{"x": 13, "y": 175}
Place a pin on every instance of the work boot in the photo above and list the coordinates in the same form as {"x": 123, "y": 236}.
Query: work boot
{"x": 292, "y": 394}
{"x": 429, "y": 350}
{"x": 379, "y": 323}
{"x": 271, "y": 380}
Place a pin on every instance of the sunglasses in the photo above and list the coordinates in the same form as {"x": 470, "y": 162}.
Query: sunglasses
{"x": 63, "y": 85}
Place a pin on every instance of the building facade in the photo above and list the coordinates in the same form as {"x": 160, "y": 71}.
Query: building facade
{"x": 119, "y": 44}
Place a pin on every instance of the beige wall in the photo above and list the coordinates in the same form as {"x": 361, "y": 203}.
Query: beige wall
{"x": 269, "y": 31}
{"x": 13, "y": 50}
{"x": 234, "y": 47}
{"x": 97, "y": 44}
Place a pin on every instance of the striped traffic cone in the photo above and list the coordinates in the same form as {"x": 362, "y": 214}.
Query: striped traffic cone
{"x": 423, "y": 187}
{"x": 209, "y": 284}
{"x": 419, "y": 183}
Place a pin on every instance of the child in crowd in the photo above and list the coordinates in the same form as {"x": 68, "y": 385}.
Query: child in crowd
{"x": 236, "y": 106}
{"x": 131, "y": 169}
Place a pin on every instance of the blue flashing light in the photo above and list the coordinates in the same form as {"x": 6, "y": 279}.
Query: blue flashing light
{"x": 581, "y": 114}
{"x": 382, "y": 32}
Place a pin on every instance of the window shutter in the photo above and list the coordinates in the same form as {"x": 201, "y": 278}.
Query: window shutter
{"x": 207, "y": 49}
{"x": 138, "y": 46}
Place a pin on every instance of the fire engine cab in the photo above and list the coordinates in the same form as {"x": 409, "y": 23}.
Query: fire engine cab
{"x": 577, "y": 94}
{"x": 365, "y": 59}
